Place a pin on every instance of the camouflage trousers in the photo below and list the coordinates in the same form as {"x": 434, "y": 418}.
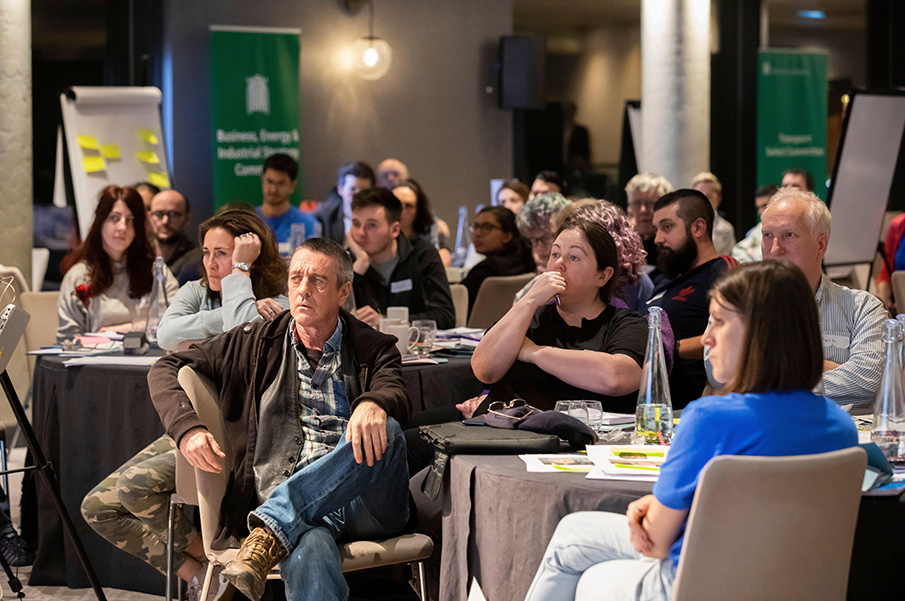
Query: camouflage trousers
{"x": 129, "y": 507}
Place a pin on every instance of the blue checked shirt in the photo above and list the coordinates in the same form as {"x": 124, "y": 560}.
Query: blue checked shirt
{"x": 324, "y": 408}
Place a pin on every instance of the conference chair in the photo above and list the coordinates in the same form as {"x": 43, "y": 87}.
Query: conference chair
{"x": 897, "y": 282}
{"x": 42, "y": 327}
{"x": 772, "y": 528}
{"x": 454, "y": 274}
{"x": 460, "y": 303}
{"x": 495, "y": 297}
{"x": 209, "y": 489}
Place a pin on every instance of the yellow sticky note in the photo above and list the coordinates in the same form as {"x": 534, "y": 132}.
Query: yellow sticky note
{"x": 89, "y": 142}
{"x": 159, "y": 179}
{"x": 93, "y": 164}
{"x": 110, "y": 151}
{"x": 148, "y": 136}
{"x": 148, "y": 157}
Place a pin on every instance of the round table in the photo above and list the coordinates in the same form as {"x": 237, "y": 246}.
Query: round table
{"x": 91, "y": 419}
{"x": 497, "y": 519}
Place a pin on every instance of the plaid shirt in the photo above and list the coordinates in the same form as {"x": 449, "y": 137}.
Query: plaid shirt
{"x": 324, "y": 408}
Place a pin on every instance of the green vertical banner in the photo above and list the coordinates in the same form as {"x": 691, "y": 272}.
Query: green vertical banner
{"x": 791, "y": 115}
{"x": 254, "y": 107}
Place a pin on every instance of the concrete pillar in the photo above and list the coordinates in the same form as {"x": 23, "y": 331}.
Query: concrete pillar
{"x": 15, "y": 135}
{"x": 675, "y": 88}
{"x": 15, "y": 163}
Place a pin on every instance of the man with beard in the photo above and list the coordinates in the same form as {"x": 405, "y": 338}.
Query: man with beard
{"x": 690, "y": 264}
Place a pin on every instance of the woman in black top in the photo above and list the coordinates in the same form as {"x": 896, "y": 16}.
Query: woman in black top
{"x": 578, "y": 347}
{"x": 544, "y": 350}
{"x": 495, "y": 235}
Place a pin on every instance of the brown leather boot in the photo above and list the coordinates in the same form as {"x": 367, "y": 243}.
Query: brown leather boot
{"x": 248, "y": 571}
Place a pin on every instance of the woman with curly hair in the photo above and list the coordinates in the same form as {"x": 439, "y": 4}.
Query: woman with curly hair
{"x": 108, "y": 287}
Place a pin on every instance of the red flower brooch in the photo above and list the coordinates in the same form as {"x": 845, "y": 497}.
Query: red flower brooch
{"x": 84, "y": 294}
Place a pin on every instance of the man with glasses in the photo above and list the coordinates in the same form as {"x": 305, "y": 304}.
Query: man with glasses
{"x": 170, "y": 214}
{"x": 642, "y": 191}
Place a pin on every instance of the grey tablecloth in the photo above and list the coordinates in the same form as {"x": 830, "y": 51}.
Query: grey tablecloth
{"x": 91, "y": 419}
{"x": 498, "y": 519}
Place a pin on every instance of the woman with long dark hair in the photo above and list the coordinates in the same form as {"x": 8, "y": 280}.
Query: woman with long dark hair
{"x": 764, "y": 339}
{"x": 108, "y": 287}
{"x": 495, "y": 235}
{"x": 228, "y": 295}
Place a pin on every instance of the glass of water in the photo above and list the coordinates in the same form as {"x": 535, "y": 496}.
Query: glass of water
{"x": 595, "y": 414}
{"x": 427, "y": 331}
{"x": 577, "y": 409}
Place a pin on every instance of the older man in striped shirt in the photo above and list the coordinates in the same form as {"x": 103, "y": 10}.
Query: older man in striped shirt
{"x": 796, "y": 227}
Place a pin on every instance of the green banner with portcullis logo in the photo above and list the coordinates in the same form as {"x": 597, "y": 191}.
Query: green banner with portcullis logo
{"x": 254, "y": 86}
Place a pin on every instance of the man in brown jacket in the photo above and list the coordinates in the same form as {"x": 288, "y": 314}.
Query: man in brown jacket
{"x": 312, "y": 401}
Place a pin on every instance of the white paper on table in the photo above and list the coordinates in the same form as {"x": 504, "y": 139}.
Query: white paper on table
{"x": 110, "y": 335}
{"x": 113, "y": 360}
{"x": 599, "y": 474}
{"x": 558, "y": 463}
{"x": 418, "y": 360}
{"x": 78, "y": 352}
{"x": 605, "y": 459}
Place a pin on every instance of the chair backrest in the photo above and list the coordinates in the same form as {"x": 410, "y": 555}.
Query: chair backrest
{"x": 42, "y": 325}
{"x": 460, "y": 302}
{"x": 454, "y": 275}
{"x": 495, "y": 298}
{"x": 211, "y": 487}
{"x": 897, "y": 281}
{"x": 772, "y": 528}
{"x": 40, "y": 258}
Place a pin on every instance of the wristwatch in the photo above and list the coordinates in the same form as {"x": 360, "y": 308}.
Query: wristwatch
{"x": 241, "y": 266}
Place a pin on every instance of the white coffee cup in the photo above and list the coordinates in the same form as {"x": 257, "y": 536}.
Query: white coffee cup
{"x": 404, "y": 335}
{"x": 398, "y": 314}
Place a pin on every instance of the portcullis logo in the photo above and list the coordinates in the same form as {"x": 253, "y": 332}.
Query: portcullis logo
{"x": 257, "y": 95}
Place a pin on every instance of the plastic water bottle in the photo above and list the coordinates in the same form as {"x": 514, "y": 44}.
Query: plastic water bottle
{"x": 158, "y": 301}
{"x": 653, "y": 416}
{"x": 888, "y": 430}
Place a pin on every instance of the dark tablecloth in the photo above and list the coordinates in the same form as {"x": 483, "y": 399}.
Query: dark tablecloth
{"x": 91, "y": 419}
{"x": 498, "y": 519}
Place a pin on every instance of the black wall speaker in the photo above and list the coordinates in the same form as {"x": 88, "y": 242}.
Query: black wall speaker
{"x": 521, "y": 71}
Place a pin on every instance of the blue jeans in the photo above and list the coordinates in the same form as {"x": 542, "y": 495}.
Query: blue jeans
{"x": 335, "y": 499}
{"x": 590, "y": 558}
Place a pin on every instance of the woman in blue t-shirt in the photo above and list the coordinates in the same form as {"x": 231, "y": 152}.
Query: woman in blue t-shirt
{"x": 764, "y": 339}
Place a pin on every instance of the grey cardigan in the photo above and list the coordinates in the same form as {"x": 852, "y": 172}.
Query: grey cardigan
{"x": 192, "y": 315}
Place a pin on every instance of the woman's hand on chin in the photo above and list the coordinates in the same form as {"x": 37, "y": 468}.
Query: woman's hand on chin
{"x": 528, "y": 352}
{"x": 548, "y": 284}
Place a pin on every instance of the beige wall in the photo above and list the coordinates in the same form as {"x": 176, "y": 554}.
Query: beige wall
{"x": 607, "y": 74}
{"x": 430, "y": 111}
